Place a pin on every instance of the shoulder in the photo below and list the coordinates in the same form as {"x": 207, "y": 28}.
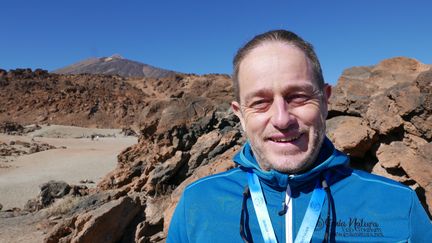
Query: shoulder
{"x": 373, "y": 187}
{"x": 221, "y": 186}
{"x": 223, "y": 189}
{"x": 233, "y": 176}
{"x": 379, "y": 181}
{"x": 368, "y": 193}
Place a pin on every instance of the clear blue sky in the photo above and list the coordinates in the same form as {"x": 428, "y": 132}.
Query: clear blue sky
{"x": 202, "y": 36}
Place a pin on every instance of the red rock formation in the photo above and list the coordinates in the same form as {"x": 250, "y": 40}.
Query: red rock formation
{"x": 380, "y": 115}
{"x": 387, "y": 113}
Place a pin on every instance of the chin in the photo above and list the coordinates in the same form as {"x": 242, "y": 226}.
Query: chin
{"x": 289, "y": 163}
{"x": 293, "y": 164}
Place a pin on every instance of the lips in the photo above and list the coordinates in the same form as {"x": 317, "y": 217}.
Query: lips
{"x": 284, "y": 139}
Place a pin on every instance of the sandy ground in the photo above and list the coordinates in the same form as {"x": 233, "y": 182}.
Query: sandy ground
{"x": 82, "y": 159}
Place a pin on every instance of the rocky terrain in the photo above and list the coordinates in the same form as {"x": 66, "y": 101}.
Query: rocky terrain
{"x": 380, "y": 115}
{"x": 18, "y": 147}
{"x": 79, "y": 100}
{"x": 9, "y": 151}
{"x": 89, "y": 100}
{"x": 115, "y": 65}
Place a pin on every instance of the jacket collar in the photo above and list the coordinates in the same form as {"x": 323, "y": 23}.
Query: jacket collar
{"x": 328, "y": 157}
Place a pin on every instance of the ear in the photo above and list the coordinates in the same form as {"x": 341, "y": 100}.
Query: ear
{"x": 326, "y": 96}
{"x": 235, "y": 106}
{"x": 327, "y": 92}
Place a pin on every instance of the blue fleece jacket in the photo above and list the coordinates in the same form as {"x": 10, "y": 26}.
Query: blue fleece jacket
{"x": 366, "y": 207}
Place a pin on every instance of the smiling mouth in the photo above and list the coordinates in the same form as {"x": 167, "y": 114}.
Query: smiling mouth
{"x": 285, "y": 139}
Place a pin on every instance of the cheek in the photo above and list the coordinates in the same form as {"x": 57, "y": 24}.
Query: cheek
{"x": 255, "y": 122}
{"x": 308, "y": 115}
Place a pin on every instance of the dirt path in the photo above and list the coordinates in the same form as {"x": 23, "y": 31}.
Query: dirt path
{"x": 82, "y": 159}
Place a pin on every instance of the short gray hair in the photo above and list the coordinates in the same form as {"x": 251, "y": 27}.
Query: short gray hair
{"x": 283, "y": 36}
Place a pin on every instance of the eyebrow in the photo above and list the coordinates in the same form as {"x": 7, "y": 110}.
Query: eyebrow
{"x": 288, "y": 89}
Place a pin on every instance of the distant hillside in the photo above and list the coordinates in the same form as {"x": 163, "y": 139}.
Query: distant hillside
{"x": 115, "y": 65}
{"x": 104, "y": 101}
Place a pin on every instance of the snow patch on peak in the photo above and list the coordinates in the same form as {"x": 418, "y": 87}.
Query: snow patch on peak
{"x": 115, "y": 56}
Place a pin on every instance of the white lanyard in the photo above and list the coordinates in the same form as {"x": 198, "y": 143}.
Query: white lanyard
{"x": 309, "y": 221}
{"x": 265, "y": 224}
{"x": 288, "y": 216}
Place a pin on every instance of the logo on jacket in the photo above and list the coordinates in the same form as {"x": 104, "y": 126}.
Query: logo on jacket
{"x": 354, "y": 227}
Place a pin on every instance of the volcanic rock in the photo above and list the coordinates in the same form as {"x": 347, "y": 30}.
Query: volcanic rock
{"x": 392, "y": 100}
{"x": 351, "y": 135}
{"x": 400, "y": 160}
{"x": 104, "y": 224}
{"x": 11, "y": 128}
{"x": 358, "y": 85}
{"x": 50, "y": 192}
{"x": 106, "y": 101}
{"x": 380, "y": 115}
{"x": 9, "y": 152}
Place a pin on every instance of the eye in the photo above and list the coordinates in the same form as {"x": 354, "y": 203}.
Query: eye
{"x": 260, "y": 105}
{"x": 298, "y": 99}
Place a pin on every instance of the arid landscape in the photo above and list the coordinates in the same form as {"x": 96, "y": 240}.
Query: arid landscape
{"x": 104, "y": 157}
{"x": 72, "y": 156}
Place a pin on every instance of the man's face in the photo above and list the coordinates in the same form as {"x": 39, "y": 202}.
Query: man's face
{"x": 281, "y": 109}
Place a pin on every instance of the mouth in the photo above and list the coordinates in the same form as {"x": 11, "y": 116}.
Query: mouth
{"x": 289, "y": 139}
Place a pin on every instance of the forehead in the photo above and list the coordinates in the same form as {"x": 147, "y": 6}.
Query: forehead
{"x": 274, "y": 66}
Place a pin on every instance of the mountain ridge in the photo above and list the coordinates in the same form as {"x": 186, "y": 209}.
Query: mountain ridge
{"x": 115, "y": 65}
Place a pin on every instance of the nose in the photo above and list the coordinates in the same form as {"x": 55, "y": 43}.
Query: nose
{"x": 281, "y": 116}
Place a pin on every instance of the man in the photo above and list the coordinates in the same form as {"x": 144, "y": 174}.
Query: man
{"x": 291, "y": 184}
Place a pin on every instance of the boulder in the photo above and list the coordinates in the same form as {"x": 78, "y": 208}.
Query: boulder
{"x": 350, "y": 135}
{"x": 11, "y": 128}
{"x": 52, "y": 190}
{"x": 424, "y": 84}
{"x": 103, "y": 224}
{"x": 351, "y": 94}
{"x": 49, "y": 192}
{"x": 382, "y": 115}
{"x": 201, "y": 149}
{"x": 401, "y": 160}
